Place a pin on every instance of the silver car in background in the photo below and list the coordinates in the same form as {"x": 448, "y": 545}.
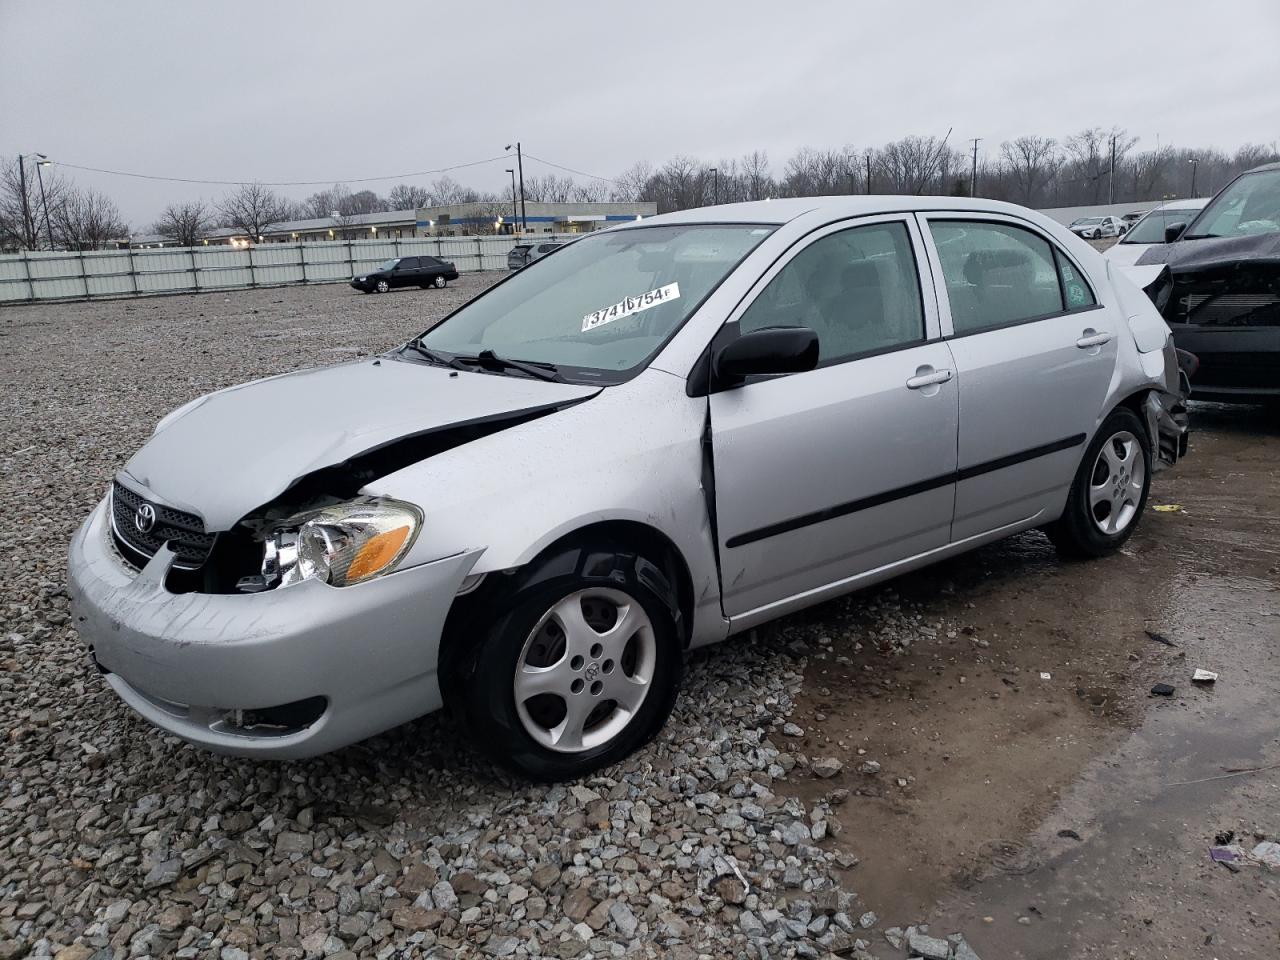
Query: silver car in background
{"x": 664, "y": 435}
{"x": 523, "y": 254}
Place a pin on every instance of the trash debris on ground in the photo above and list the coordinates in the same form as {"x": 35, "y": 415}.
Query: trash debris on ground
{"x": 1162, "y": 690}
{"x": 1167, "y": 508}
{"x": 1203, "y": 676}
{"x": 1224, "y": 838}
{"x": 1228, "y": 856}
{"x": 1267, "y": 853}
{"x": 1046, "y": 676}
{"x": 1068, "y": 835}
{"x": 1159, "y": 638}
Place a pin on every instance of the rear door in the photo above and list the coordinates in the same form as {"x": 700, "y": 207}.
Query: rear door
{"x": 826, "y": 474}
{"x": 1034, "y": 354}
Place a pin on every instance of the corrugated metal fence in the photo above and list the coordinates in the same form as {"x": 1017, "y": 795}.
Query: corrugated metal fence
{"x": 63, "y": 275}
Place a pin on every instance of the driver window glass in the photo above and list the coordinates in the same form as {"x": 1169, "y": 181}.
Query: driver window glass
{"x": 407, "y": 263}
{"x": 858, "y": 290}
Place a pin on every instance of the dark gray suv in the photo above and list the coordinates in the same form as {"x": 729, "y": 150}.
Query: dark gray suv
{"x": 523, "y": 254}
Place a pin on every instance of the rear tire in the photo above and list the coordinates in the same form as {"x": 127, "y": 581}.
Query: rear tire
{"x": 542, "y": 689}
{"x": 439, "y": 281}
{"x": 1109, "y": 491}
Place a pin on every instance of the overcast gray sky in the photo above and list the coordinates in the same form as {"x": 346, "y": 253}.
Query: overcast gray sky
{"x": 335, "y": 91}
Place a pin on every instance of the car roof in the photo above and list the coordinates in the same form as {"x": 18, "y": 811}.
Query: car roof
{"x": 787, "y": 209}
{"x": 1266, "y": 166}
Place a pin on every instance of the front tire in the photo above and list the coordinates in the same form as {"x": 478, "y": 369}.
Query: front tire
{"x": 382, "y": 286}
{"x": 575, "y": 671}
{"x": 1109, "y": 491}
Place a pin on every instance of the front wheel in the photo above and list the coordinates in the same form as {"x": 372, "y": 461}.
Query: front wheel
{"x": 439, "y": 282}
{"x": 1110, "y": 489}
{"x": 577, "y": 672}
{"x": 383, "y": 286}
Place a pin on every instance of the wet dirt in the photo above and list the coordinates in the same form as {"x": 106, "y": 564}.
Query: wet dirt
{"x": 1070, "y": 815}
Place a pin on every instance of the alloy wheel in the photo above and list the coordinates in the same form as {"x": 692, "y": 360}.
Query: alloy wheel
{"x": 383, "y": 286}
{"x": 1117, "y": 482}
{"x": 585, "y": 669}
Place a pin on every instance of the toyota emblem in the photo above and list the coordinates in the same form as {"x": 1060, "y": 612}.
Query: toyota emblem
{"x": 145, "y": 518}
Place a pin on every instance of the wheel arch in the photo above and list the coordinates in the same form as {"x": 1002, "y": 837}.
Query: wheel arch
{"x": 672, "y": 580}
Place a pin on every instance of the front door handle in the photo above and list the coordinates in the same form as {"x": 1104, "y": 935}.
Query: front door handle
{"x": 927, "y": 377}
{"x": 1091, "y": 338}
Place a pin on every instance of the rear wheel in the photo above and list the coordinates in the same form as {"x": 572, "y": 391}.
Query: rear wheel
{"x": 1110, "y": 489}
{"x": 439, "y": 281}
{"x": 575, "y": 673}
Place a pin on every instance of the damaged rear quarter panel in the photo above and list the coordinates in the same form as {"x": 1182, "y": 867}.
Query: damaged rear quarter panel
{"x": 631, "y": 453}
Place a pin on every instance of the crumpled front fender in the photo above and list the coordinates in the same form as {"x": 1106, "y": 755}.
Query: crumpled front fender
{"x": 1165, "y": 410}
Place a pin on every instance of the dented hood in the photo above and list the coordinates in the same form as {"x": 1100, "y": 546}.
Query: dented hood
{"x": 233, "y": 451}
{"x": 1189, "y": 256}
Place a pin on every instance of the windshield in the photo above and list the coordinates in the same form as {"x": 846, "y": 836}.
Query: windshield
{"x": 1250, "y": 205}
{"x": 1150, "y": 229}
{"x": 389, "y": 265}
{"x": 604, "y": 303}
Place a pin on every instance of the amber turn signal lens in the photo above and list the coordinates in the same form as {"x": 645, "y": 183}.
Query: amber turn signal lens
{"x": 377, "y": 553}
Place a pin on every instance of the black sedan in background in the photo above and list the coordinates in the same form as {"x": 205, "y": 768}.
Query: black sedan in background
{"x": 406, "y": 272}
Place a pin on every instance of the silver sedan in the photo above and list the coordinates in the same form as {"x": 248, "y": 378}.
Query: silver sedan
{"x": 653, "y": 439}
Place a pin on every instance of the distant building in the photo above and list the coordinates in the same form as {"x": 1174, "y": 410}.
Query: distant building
{"x": 389, "y": 225}
{"x": 502, "y": 216}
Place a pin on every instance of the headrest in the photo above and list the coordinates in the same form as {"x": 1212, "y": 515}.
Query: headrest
{"x": 980, "y": 263}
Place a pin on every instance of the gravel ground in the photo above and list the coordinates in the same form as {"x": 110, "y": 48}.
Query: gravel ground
{"x": 121, "y": 841}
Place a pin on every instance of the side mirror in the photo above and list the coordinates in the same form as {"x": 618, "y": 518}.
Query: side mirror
{"x": 766, "y": 351}
{"x": 1172, "y": 231}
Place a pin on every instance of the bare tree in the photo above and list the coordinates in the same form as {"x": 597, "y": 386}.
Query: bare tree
{"x": 757, "y": 181}
{"x": 915, "y": 164}
{"x": 22, "y": 226}
{"x": 88, "y": 220}
{"x": 816, "y": 173}
{"x": 1031, "y": 162}
{"x": 362, "y": 202}
{"x": 185, "y": 223}
{"x": 1090, "y": 152}
{"x": 406, "y": 196}
{"x": 445, "y": 190}
{"x": 632, "y": 185}
{"x": 252, "y": 208}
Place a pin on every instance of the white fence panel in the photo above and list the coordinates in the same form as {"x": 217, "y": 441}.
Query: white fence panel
{"x": 69, "y": 275}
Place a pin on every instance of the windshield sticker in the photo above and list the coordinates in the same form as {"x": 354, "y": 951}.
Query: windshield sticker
{"x": 629, "y": 305}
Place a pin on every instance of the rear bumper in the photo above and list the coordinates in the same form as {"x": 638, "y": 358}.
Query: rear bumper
{"x": 324, "y": 666}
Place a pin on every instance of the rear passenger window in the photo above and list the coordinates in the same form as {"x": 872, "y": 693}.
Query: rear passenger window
{"x": 998, "y": 274}
{"x": 857, "y": 289}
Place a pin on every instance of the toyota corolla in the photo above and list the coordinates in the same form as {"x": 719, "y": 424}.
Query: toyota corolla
{"x": 656, "y": 439}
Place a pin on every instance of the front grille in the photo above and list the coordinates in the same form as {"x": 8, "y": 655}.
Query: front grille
{"x": 184, "y": 532}
{"x": 1229, "y": 309}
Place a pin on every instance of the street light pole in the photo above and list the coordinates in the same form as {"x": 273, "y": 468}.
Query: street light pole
{"x": 27, "y": 231}
{"x": 868, "y": 172}
{"x": 973, "y": 177}
{"x": 515, "y": 214}
{"x": 44, "y": 161}
{"x": 1195, "y": 166}
{"x": 715, "y": 185}
{"x": 524, "y": 210}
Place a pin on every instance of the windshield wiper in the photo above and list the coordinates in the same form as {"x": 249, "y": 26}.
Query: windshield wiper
{"x": 491, "y": 361}
{"x": 433, "y": 356}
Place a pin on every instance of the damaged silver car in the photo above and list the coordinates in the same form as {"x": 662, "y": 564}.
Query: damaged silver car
{"x": 662, "y": 436}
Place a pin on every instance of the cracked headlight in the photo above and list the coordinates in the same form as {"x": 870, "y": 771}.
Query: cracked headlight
{"x": 341, "y": 544}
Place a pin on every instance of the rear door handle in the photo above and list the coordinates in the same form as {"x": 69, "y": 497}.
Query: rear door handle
{"x": 928, "y": 379}
{"x": 1091, "y": 339}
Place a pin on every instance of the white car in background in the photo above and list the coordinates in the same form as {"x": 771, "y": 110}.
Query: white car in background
{"x": 1093, "y": 228}
{"x": 1150, "y": 230}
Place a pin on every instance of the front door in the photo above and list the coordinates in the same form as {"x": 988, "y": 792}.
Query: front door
{"x": 824, "y": 475}
{"x": 1034, "y": 354}
{"x": 406, "y": 273}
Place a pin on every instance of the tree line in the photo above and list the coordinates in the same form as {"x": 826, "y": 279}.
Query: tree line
{"x": 1092, "y": 166}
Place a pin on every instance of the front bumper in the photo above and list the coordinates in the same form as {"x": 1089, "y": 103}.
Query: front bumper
{"x": 197, "y": 664}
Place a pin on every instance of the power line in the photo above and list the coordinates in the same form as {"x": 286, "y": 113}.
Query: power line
{"x": 285, "y": 183}
{"x": 559, "y": 166}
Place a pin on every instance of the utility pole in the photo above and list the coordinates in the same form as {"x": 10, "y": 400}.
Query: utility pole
{"x": 515, "y": 214}
{"x": 1111, "y": 180}
{"x": 868, "y": 172}
{"x": 524, "y": 210}
{"x": 715, "y": 185}
{"x": 1195, "y": 165}
{"x": 42, "y": 161}
{"x": 27, "y": 231}
{"x": 973, "y": 176}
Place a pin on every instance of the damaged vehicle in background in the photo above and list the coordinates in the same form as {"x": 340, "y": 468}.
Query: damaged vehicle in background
{"x": 1217, "y": 283}
{"x": 662, "y": 436}
{"x": 1152, "y": 229}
